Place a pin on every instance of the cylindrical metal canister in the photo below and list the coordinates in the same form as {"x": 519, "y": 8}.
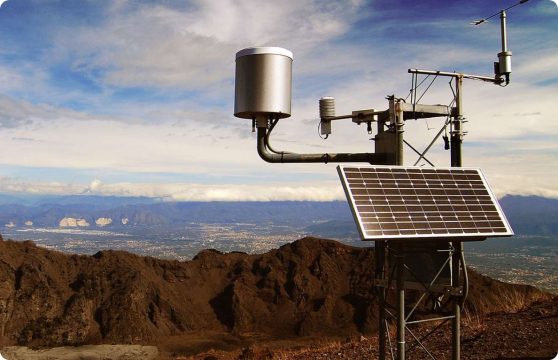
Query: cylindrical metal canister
{"x": 263, "y": 82}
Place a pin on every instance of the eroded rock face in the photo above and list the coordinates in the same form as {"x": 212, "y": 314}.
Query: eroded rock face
{"x": 309, "y": 287}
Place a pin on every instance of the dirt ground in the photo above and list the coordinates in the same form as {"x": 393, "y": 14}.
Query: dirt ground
{"x": 531, "y": 334}
{"x": 88, "y": 352}
{"x": 216, "y": 306}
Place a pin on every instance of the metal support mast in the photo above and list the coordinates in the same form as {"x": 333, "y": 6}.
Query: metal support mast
{"x": 456, "y": 142}
{"x": 380, "y": 260}
{"x": 397, "y": 119}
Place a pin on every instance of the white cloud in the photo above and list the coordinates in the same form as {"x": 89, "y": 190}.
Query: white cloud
{"x": 242, "y": 21}
{"x": 205, "y": 144}
{"x": 10, "y": 79}
{"x": 16, "y": 113}
{"x": 94, "y": 186}
{"x": 522, "y": 184}
{"x": 502, "y": 121}
{"x": 157, "y": 46}
{"x": 266, "y": 192}
{"x": 316, "y": 191}
{"x": 189, "y": 48}
{"x": 22, "y": 78}
{"x": 532, "y": 69}
{"x": 9, "y": 185}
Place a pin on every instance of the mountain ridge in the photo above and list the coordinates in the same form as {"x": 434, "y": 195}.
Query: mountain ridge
{"x": 316, "y": 287}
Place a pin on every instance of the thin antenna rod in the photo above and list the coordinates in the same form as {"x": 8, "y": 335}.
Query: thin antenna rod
{"x": 503, "y": 30}
{"x": 478, "y": 22}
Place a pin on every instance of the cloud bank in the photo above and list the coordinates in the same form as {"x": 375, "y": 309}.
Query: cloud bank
{"x": 317, "y": 191}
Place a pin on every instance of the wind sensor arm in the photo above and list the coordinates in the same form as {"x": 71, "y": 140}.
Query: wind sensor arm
{"x": 502, "y": 68}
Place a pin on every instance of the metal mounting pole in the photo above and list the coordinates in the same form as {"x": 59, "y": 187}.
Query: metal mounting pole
{"x": 400, "y": 285}
{"x": 456, "y": 161}
{"x": 400, "y": 257}
{"x": 398, "y": 128}
{"x": 457, "y": 125}
{"x": 395, "y": 157}
{"x": 380, "y": 254}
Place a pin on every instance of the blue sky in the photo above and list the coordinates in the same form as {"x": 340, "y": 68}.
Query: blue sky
{"x": 136, "y": 97}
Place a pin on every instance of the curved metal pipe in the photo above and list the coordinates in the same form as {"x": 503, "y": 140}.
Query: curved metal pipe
{"x": 284, "y": 157}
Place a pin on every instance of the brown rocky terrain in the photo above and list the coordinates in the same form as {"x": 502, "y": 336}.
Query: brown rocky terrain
{"x": 529, "y": 334}
{"x": 308, "y": 290}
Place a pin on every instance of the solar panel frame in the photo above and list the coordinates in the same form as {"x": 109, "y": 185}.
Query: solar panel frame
{"x": 406, "y": 203}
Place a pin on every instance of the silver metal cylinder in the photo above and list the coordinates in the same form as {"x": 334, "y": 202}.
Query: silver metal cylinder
{"x": 503, "y": 31}
{"x": 504, "y": 62}
{"x": 327, "y": 107}
{"x": 263, "y": 82}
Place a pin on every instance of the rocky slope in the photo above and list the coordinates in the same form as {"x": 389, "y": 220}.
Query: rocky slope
{"x": 315, "y": 287}
{"x": 529, "y": 334}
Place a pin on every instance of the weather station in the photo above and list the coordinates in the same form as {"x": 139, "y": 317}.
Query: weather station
{"x": 418, "y": 217}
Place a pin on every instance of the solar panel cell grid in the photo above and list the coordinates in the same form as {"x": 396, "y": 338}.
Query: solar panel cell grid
{"x": 403, "y": 202}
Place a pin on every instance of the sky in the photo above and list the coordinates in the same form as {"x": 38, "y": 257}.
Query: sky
{"x": 135, "y": 97}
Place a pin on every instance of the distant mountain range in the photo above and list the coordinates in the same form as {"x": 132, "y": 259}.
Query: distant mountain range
{"x": 66, "y": 211}
{"x": 528, "y": 215}
{"x": 531, "y": 215}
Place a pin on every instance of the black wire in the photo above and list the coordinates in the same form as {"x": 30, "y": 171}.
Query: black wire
{"x": 425, "y": 91}
{"x": 444, "y": 128}
{"x": 417, "y": 86}
{"x": 465, "y": 280}
{"x": 319, "y": 134}
{"x": 266, "y": 139}
{"x": 414, "y": 87}
{"x": 452, "y": 90}
{"x": 423, "y": 80}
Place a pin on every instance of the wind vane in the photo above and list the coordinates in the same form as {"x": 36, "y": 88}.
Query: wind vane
{"x": 478, "y": 22}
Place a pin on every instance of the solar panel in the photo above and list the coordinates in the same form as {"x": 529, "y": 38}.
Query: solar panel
{"x": 395, "y": 202}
